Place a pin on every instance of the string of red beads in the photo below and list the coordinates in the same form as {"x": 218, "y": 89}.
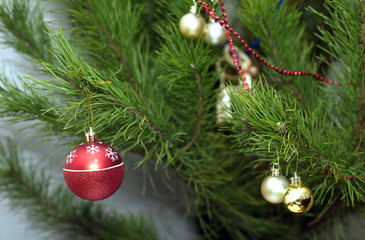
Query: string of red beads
{"x": 230, "y": 30}
{"x": 230, "y": 40}
{"x": 332, "y": 174}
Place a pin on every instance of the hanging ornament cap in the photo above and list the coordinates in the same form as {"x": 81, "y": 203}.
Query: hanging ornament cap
{"x": 296, "y": 180}
{"x": 193, "y": 9}
{"x": 275, "y": 170}
{"x": 90, "y": 136}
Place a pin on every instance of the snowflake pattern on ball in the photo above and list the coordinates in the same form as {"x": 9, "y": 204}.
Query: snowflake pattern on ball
{"x": 92, "y": 149}
{"x": 71, "y": 156}
{"x": 110, "y": 153}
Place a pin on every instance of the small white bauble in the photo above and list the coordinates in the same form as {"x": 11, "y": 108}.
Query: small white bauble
{"x": 215, "y": 35}
{"x": 192, "y": 25}
{"x": 273, "y": 187}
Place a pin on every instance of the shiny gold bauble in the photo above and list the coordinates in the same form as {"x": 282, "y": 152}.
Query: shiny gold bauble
{"x": 298, "y": 198}
{"x": 215, "y": 35}
{"x": 274, "y": 185}
{"x": 192, "y": 25}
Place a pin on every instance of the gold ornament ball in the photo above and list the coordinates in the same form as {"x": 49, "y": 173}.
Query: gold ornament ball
{"x": 298, "y": 198}
{"x": 273, "y": 188}
{"x": 192, "y": 25}
{"x": 215, "y": 35}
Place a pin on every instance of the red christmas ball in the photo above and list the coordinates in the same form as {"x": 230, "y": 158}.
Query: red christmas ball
{"x": 93, "y": 170}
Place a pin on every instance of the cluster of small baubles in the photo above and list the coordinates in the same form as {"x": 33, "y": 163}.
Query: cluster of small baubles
{"x": 276, "y": 189}
{"x": 192, "y": 26}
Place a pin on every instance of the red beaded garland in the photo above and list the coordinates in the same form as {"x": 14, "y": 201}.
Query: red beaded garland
{"x": 281, "y": 71}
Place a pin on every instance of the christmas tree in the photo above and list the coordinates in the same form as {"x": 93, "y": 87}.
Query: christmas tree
{"x": 146, "y": 86}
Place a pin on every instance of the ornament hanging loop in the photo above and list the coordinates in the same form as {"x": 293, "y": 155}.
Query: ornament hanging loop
{"x": 90, "y": 136}
{"x": 277, "y": 154}
{"x": 89, "y": 109}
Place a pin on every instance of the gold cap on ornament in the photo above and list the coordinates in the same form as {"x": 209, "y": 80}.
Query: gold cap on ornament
{"x": 90, "y": 136}
{"x": 275, "y": 170}
{"x": 193, "y": 9}
{"x": 296, "y": 180}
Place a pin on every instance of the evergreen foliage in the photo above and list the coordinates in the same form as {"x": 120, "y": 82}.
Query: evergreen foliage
{"x": 22, "y": 24}
{"x": 154, "y": 92}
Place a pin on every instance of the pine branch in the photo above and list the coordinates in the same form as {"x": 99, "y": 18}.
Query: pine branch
{"x": 167, "y": 111}
{"x": 284, "y": 42}
{"x": 47, "y": 202}
{"x": 359, "y": 143}
{"x": 199, "y": 113}
{"x": 272, "y": 45}
{"x": 98, "y": 33}
{"x": 180, "y": 89}
{"x": 124, "y": 118}
{"x": 21, "y": 105}
{"x": 23, "y": 26}
{"x": 194, "y": 169}
{"x": 96, "y": 18}
{"x": 305, "y": 135}
{"x": 117, "y": 51}
{"x": 342, "y": 45}
{"x": 67, "y": 217}
{"x": 326, "y": 212}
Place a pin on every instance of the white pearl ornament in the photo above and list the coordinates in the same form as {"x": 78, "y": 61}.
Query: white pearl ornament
{"x": 273, "y": 187}
{"x": 192, "y": 25}
{"x": 215, "y": 35}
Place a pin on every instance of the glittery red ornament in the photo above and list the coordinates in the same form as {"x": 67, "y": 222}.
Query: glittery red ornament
{"x": 93, "y": 170}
